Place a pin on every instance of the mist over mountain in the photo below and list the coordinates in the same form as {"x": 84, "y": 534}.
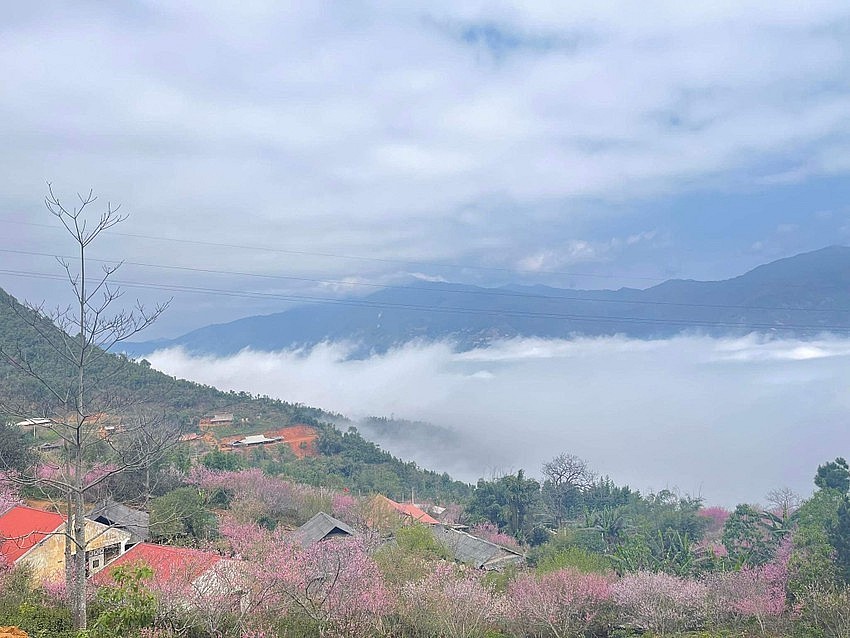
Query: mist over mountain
{"x": 793, "y": 297}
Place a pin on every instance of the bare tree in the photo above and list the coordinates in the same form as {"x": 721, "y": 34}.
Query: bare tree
{"x": 81, "y": 383}
{"x": 784, "y": 502}
{"x": 565, "y": 477}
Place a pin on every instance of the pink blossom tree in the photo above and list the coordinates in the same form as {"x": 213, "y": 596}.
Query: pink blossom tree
{"x": 334, "y": 584}
{"x": 560, "y": 604}
{"x": 660, "y": 602}
{"x": 716, "y": 517}
{"x": 255, "y": 495}
{"x": 490, "y": 532}
{"x": 757, "y": 592}
{"x": 9, "y": 494}
{"x": 452, "y": 604}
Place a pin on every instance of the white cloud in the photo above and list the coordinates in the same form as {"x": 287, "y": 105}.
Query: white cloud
{"x": 429, "y": 132}
{"x": 729, "y": 419}
{"x": 375, "y": 116}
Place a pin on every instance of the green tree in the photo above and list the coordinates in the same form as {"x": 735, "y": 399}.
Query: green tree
{"x": 508, "y": 502}
{"x": 182, "y": 514}
{"x": 813, "y": 558}
{"x": 126, "y": 607}
{"x": 218, "y": 460}
{"x": 838, "y": 533}
{"x": 567, "y": 477}
{"x": 16, "y": 453}
{"x": 751, "y": 536}
{"x": 834, "y": 475}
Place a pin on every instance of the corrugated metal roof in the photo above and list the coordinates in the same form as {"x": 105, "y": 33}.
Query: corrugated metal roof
{"x": 168, "y": 563}
{"x": 320, "y": 527}
{"x": 256, "y": 439}
{"x": 409, "y": 509}
{"x": 22, "y": 528}
{"x": 475, "y": 551}
{"x": 114, "y": 513}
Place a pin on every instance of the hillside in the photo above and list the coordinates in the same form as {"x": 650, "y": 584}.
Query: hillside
{"x": 127, "y": 388}
{"x": 796, "y": 296}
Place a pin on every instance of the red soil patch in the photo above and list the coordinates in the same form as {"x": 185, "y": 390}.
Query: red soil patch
{"x": 300, "y": 438}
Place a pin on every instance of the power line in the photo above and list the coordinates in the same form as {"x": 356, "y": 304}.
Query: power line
{"x": 456, "y": 310}
{"x": 304, "y": 253}
{"x": 481, "y": 292}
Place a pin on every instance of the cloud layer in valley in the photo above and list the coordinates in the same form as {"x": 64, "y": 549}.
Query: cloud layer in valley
{"x": 728, "y": 419}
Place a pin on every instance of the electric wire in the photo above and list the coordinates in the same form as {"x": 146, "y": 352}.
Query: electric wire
{"x": 455, "y": 310}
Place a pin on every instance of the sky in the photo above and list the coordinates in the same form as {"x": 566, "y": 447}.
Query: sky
{"x": 283, "y": 149}
{"x": 728, "y": 420}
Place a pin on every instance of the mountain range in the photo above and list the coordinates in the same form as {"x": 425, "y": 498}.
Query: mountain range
{"x": 796, "y": 296}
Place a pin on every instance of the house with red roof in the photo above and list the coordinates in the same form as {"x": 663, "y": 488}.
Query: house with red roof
{"x": 169, "y": 563}
{"x": 185, "y": 577}
{"x": 36, "y": 538}
{"x": 409, "y": 511}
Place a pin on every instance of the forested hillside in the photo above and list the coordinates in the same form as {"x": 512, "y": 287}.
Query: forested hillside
{"x": 126, "y": 388}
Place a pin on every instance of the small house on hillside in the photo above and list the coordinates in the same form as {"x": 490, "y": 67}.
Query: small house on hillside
{"x": 115, "y": 514}
{"x": 36, "y": 538}
{"x": 255, "y": 440}
{"x": 321, "y": 527}
{"x": 409, "y": 511}
{"x": 471, "y": 550}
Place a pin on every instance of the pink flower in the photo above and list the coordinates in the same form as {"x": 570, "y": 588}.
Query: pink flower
{"x": 753, "y": 592}
{"x": 565, "y": 602}
{"x": 716, "y": 517}
{"x": 490, "y": 532}
{"x": 660, "y": 602}
{"x": 452, "y": 604}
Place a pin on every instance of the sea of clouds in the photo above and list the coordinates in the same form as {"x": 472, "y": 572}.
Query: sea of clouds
{"x": 726, "y": 419}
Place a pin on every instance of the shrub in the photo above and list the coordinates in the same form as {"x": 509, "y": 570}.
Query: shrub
{"x": 660, "y": 602}
{"x": 127, "y": 606}
{"x": 573, "y": 558}
{"x": 753, "y": 592}
{"x": 418, "y": 539}
{"x": 563, "y": 603}
{"x": 449, "y": 604}
{"x": 825, "y": 611}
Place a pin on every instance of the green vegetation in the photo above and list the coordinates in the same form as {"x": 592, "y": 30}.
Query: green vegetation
{"x": 182, "y": 516}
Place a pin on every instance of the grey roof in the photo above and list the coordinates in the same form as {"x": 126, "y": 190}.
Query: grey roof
{"x": 475, "y": 551}
{"x": 320, "y": 527}
{"x": 111, "y": 512}
{"x": 257, "y": 439}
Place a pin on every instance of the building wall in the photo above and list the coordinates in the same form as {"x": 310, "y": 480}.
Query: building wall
{"x": 47, "y": 559}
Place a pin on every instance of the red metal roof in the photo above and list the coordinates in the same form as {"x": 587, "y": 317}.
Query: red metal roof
{"x": 169, "y": 564}
{"x": 409, "y": 509}
{"x": 22, "y": 527}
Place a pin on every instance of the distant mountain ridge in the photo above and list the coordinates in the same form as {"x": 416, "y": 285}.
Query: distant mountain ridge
{"x": 795, "y": 296}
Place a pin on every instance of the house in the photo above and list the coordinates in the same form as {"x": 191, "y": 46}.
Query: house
{"x": 471, "y": 550}
{"x": 190, "y": 578}
{"x": 36, "y": 538}
{"x": 321, "y": 527}
{"x": 115, "y": 514}
{"x": 411, "y": 512}
{"x": 256, "y": 439}
{"x": 33, "y": 423}
{"x": 169, "y": 564}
